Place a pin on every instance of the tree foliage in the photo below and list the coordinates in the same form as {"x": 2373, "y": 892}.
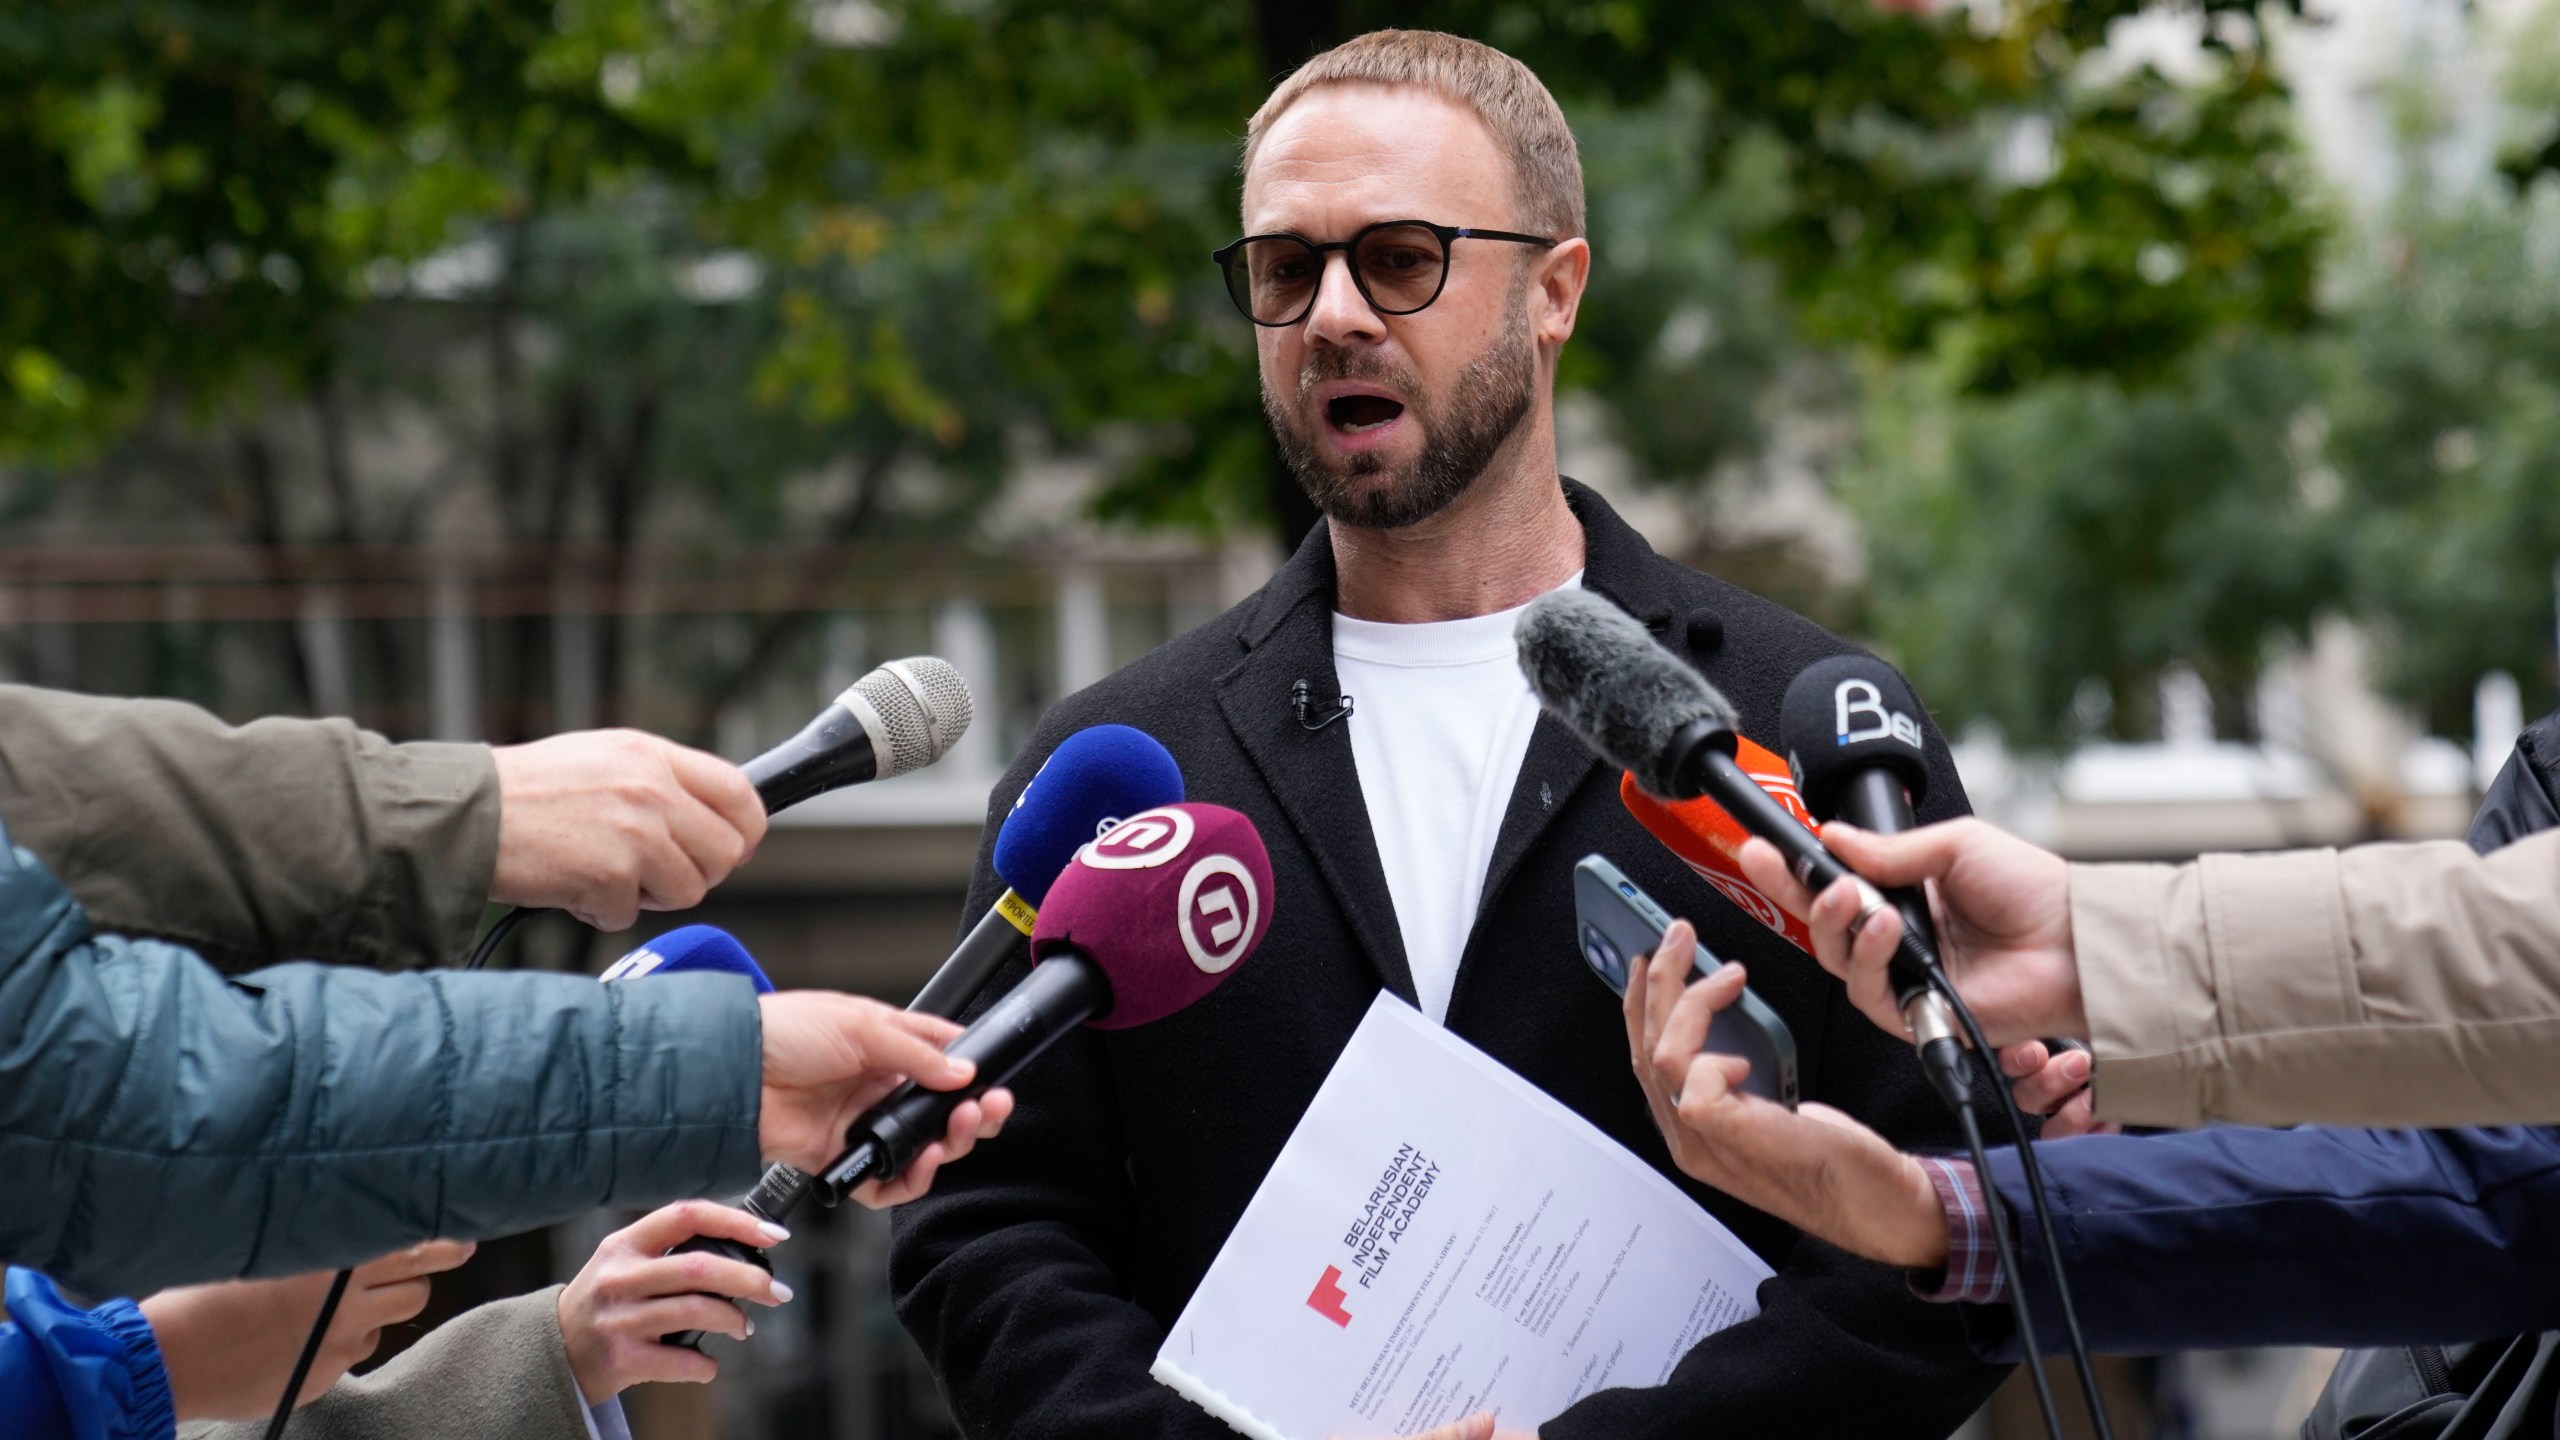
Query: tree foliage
{"x": 2025, "y": 545}
{"x": 206, "y": 189}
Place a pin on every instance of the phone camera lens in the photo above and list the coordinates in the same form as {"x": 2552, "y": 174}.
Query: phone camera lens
{"x": 1604, "y": 957}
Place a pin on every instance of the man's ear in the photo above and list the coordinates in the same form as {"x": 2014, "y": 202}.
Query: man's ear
{"x": 1558, "y": 280}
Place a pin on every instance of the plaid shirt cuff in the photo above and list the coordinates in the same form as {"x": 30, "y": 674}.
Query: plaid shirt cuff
{"x": 1972, "y": 1274}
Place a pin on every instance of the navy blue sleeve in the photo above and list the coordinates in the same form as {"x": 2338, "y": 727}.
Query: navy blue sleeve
{"x": 2236, "y": 1237}
{"x": 2519, "y": 802}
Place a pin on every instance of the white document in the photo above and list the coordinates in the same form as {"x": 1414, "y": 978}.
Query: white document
{"x": 1440, "y": 1237}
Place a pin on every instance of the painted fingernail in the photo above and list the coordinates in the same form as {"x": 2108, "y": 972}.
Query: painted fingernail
{"x": 751, "y": 1325}
{"x": 774, "y": 1234}
{"x": 781, "y": 1293}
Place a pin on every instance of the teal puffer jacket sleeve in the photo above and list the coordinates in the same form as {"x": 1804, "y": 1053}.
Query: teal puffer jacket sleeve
{"x": 160, "y": 1125}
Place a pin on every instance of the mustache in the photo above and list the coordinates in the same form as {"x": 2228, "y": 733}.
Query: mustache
{"x": 1324, "y": 365}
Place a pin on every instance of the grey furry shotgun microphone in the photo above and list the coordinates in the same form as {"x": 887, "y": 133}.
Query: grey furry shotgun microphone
{"x": 1642, "y": 709}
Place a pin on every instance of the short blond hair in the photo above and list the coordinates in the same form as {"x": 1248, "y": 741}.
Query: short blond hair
{"x": 1546, "y": 166}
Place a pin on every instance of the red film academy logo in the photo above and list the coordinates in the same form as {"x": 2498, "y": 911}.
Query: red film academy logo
{"x": 1328, "y": 1297}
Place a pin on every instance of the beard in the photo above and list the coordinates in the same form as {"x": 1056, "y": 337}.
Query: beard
{"x": 1461, "y": 432}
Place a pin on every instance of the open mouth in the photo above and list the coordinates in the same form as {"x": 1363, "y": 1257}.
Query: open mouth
{"x": 1360, "y": 414}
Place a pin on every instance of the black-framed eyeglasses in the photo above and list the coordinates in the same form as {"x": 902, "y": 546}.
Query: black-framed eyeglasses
{"x": 1399, "y": 265}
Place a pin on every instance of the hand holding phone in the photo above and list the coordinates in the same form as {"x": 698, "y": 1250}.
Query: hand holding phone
{"x": 1617, "y": 925}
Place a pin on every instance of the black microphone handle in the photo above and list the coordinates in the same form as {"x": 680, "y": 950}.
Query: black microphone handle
{"x": 1874, "y": 798}
{"x": 1059, "y": 994}
{"x": 998, "y": 936}
{"x": 829, "y": 752}
{"x": 988, "y": 945}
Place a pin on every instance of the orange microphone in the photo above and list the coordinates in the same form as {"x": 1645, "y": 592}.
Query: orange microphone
{"x": 1706, "y": 838}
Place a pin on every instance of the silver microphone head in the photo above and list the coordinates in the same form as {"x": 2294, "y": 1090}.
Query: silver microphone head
{"x": 914, "y": 710}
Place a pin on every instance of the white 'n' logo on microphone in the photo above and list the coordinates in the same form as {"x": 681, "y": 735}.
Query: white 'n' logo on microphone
{"x": 1854, "y": 698}
{"x": 1217, "y": 896}
{"x": 1141, "y": 842}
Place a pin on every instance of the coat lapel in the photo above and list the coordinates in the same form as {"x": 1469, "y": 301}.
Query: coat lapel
{"x": 1312, "y": 773}
{"x": 1615, "y": 562}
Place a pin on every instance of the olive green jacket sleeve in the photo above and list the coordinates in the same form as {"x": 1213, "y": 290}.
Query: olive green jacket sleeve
{"x": 2386, "y": 985}
{"x": 308, "y": 839}
{"x": 499, "y": 1372}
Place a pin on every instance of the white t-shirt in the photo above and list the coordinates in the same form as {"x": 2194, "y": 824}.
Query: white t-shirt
{"x": 1440, "y": 722}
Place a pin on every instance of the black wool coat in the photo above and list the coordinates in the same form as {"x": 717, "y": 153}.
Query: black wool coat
{"x": 1041, "y": 1273}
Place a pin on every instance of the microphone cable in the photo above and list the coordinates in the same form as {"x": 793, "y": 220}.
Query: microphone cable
{"x": 489, "y": 942}
{"x": 2009, "y": 1264}
{"x": 2006, "y": 1249}
{"x": 497, "y": 936}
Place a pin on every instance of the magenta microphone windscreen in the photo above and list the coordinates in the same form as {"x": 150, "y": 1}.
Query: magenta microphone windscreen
{"x": 1168, "y": 903}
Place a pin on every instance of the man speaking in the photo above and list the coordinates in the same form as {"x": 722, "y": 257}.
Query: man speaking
{"x": 1412, "y": 263}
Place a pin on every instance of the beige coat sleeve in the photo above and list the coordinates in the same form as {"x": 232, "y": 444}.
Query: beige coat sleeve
{"x": 279, "y": 839}
{"x": 499, "y": 1372}
{"x": 2386, "y": 985}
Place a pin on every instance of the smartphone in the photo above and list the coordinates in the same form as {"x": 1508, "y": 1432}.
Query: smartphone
{"x": 1619, "y": 925}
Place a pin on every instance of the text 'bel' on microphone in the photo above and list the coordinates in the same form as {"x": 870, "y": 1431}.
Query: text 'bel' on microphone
{"x": 1644, "y": 710}
{"x": 902, "y": 716}
{"x": 1851, "y": 729}
{"x": 1096, "y": 778}
{"x": 1147, "y": 920}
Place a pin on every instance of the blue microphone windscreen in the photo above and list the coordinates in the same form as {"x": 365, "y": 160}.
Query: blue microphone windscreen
{"x": 695, "y": 947}
{"x": 1096, "y": 778}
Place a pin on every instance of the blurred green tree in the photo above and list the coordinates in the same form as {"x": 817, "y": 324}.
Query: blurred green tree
{"x": 651, "y": 255}
{"x": 2024, "y": 545}
{"x": 2392, "y": 465}
{"x": 1920, "y": 182}
{"x": 204, "y": 190}
{"x": 549, "y": 225}
{"x": 2439, "y": 445}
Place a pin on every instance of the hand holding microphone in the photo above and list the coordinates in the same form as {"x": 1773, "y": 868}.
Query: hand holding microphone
{"x": 1149, "y": 919}
{"x": 828, "y": 1058}
{"x": 647, "y": 1282}
{"x": 1094, "y": 779}
{"x": 2004, "y": 912}
{"x": 1644, "y": 710}
{"x": 608, "y": 823}
{"x": 1647, "y": 712}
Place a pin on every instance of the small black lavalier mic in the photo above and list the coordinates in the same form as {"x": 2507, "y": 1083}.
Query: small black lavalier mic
{"x": 1302, "y": 703}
